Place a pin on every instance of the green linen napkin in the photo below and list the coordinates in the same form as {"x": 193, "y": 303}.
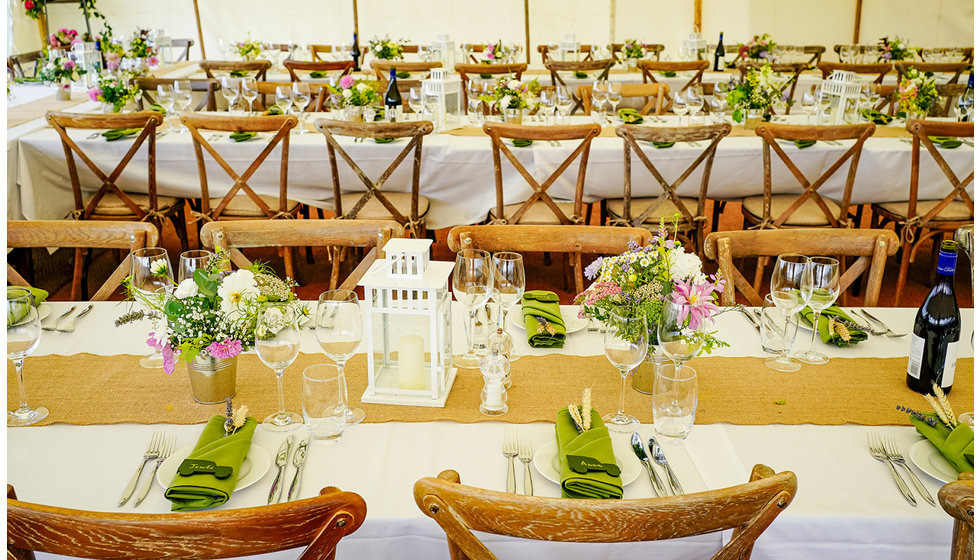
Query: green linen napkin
{"x": 318, "y": 74}
{"x": 239, "y": 73}
{"x": 242, "y": 136}
{"x": 593, "y": 443}
{"x": 543, "y": 304}
{"x": 403, "y": 75}
{"x": 662, "y": 145}
{"x": 876, "y": 117}
{"x": 17, "y": 312}
{"x": 825, "y": 335}
{"x": 956, "y": 445}
{"x": 204, "y": 490}
{"x": 947, "y": 142}
{"x": 117, "y": 133}
{"x": 521, "y": 142}
{"x": 383, "y": 140}
{"x": 156, "y": 107}
{"x": 803, "y": 144}
{"x": 581, "y": 75}
{"x": 273, "y": 110}
{"x": 630, "y": 116}
{"x": 669, "y": 74}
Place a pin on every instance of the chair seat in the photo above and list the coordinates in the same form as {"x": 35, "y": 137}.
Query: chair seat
{"x": 666, "y": 210}
{"x": 241, "y": 206}
{"x": 374, "y": 210}
{"x": 538, "y": 214}
{"x": 956, "y": 211}
{"x": 807, "y": 215}
{"x": 112, "y": 205}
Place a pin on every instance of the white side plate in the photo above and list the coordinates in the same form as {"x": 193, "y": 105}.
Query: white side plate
{"x": 930, "y": 461}
{"x": 546, "y": 461}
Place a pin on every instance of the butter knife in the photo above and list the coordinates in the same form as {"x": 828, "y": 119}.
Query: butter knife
{"x": 299, "y": 461}
{"x": 275, "y": 493}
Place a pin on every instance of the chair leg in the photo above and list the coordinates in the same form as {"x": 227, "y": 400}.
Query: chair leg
{"x": 334, "y": 267}
{"x": 76, "y": 278}
{"x": 760, "y": 268}
{"x": 903, "y": 270}
{"x": 287, "y": 257}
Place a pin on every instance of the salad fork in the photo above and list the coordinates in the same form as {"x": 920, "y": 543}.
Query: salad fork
{"x": 152, "y": 452}
{"x": 510, "y": 451}
{"x": 53, "y": 326}
{"x": 878, "y": 452}
{"x": 71, "y": 326}
{"x": 525, "y": 455}
{"x": 895, "y": 456}
{"x": 166, "y": 449}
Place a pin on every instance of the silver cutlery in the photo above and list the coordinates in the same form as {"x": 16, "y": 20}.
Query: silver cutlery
{"x": 888, "y": 332}
{"x": 895, "y": 456}
{"x": 275, "y": 493}
{"x": 510, "y": 451}
{"x": 152, "y": 452}
{"x": 866, "y": 324}
{"x": 71, "y": 325}
{"x": 661, "y": 459}
{"x": 53, "y": 326}
{"x": 750, "y": 318}
{"x": 878, "y": 452}
{"x": 165, "y": 450}
{"x": 641, "y": 454}
{"x": 592, "y": 326}
{"x": 299, "y": 461}
{"x": 93, "y": 136}
{"x": 525, "y": 454}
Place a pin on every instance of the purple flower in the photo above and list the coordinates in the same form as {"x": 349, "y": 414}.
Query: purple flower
{"x": 592, "y": 270}
{"x": 347, "y": 82}
{"x": 695, "y": 301}
{"x": 94, "y": 93}
{"x": 227, "y": 348}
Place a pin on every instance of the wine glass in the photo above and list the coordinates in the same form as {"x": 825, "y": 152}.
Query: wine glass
{"x": 823, "y": 104}
{"x": 339, "y": 329}
{"x": 425, "y": 52}
{"x": 614, "y": 96}
{"x": 431, "y": 101}
{"x": 548, "y": 101}
{"x": 599, "y": 97}
{"x": 791, "y": 283}
{"x": 152, "y": 278}
{"x": 472, "y": 284}
{"x": 166, "y": 98}
{"x": 564, "y": 103}
{"x": 249, "y": 92}
{"x": 825, "y": 274}
{"x": 415, "y": 102}
{"x": 284, "y": 98}
{"x": 625, "y": 343}
{"x": 277, "y": 344}
{"x": 680, "y": 338}
{"x": 183, "y": 97}
{"x": 191, "y": 261}
{"x": 679, "y": 103}
{"x": 230, "y": 91}
{"x": 778, "y": 332}
{"x": 23, "y": 336}
{"x": 508, "y": 287}
{"x": 695, "y": 100}
{"x": 809, "y": 104}
{"x": 301, "y": 98}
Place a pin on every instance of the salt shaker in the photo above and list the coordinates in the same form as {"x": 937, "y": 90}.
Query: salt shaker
{"x": 493, "y": 399}
{"x": 503, "y": 344}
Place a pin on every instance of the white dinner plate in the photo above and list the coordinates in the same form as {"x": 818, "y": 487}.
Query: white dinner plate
{"x": 254, "y": 467}
{"x": 572, "y": 322}
{"x": 546, "y": 461}
{"x": 43, "y": 310}
{"x": 924, "y": 455}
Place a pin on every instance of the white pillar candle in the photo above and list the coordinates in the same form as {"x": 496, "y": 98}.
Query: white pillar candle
{"x": 411, "y": 362}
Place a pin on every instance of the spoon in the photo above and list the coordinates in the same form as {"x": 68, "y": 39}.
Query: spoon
{"x": 641, "y": 454}
{"x": 660, "y": 459}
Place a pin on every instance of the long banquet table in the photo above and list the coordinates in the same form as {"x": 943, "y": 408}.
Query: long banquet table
{"x": 847, "y": 505}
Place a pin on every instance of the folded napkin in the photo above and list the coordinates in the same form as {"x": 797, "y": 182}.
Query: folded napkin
{"x": 205, "y": 490}
{"x": 956, "y": 445}
{"x": 238, "y": 73}
{"x": 403, "y": 75}
{"x": 876, "y": 117}
{"x": 273, "y": 110}
{"x": 383, "y": 140}
{"x": 802, "y": 144}
{"x": 594, "y": 444}
{"x": 117, "y": 133}
{"x": 318, "y": 74}
{"x": 662, "y": 145}
{"x": 947, "y": 142}
{"x": 17, "y": 312}
{"x": 543, "y": 304}
{"x": 630, "y": 116}
{"x": 669, "y": 74}
{"x": 156, "y": 107}
{"x": 833, "y": 337}
{"x": 242, "y": 136}
{"x": 521, "y": 142}
{"x": 581, "y": 75}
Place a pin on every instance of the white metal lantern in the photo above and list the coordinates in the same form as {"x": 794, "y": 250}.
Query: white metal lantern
{"x": 409, "y": 345}
{"x": 445, "y": 84}
{"x": 844, "y": 89}
{"x": 444, "y": 51}
{"x": 696, "y": 47}
{"x": 87, "y": 58}
{"x": 568, "y": 49}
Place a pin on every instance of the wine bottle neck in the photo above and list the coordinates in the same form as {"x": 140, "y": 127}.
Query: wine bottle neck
{"x": 945, "y": 270}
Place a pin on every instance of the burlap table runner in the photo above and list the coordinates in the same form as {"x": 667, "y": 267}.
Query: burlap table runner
{"x": 737, "y": 131}
{"x": 27, "y": 112}
{"x": 86, "y": 389}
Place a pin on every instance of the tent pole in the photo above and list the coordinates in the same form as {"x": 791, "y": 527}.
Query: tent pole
{"x": 200, "y": 33}
{"x": 697, "y": 16}
{"x": 857, "y": 21}
{"x": 355, "y": 18}
{"x": 527, "y": 32}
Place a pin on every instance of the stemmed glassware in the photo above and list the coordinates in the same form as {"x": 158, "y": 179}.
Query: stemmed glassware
{"x": 778, "y": 332}
{"x": 431, "y": 101}
{"x": 472, "y": 284}
{"x": 277, "y": 344}
{"x": 249, "y": 92}
{"x": 284, "y": 98}
{"x": 825, "y": 274}
{"x": 599, "y": 97}
{"x": 790, "y": 286}
{"x": 548, "y": 103}
{"x": 679, "y": 104}
{"x": 695, "y": 100}
{"x": 191, "y": 261}
{"x": 564, "y": 103}
{"x": 183, "y": 97}
{"x": 23, "y": 336}
{"x": 301, "y": 98}
{"x": 152, "y": 276}
{"x": 625, "y": 343}
{"x": 679, "y": 337}
{"x": 166, "y": 98}
{"x": 508, "y": 287}
{"x": 809, "y": 104}
{"x": 230, "y": 90}
{"x": 474, "y": 105}
{"x": 339, "y": 329}
{"x": 415, "y": 102}
{"x": 614, "y": 96}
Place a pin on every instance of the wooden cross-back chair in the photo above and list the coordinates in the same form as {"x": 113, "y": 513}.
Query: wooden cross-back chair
{"x": 794, "y": 69}
{"x": 657, "y": 96}
{"x": 16, "y": 63}
{"x": 81, "y": 235}
{"x": 748, "y": 509}
{"x": 920, "y": 221}
{"x": 690, "y": 225}
{"x": 649, "y": 68}
{"x": 872, "y": 247}
{"x": 957, "y": 499}
{"x": 319, "y": 95}
{"x": 186, "y": 44}
{"x": 382, "y": 68}
{"x": 410, "y": 209}
{"x": 317, "y": 524}
{"x": 582, "y": 49}
{"x": 465, "y": 72}
{"x": 317, "y": 50}
{"x": 148, "y": 91}
{"x": 233, "y": 236}
{"x": 574, "y": 240}
{"x": 258, "y": 68}
{"x": 295, "y": 67}
{"x": 656, "y": 48}
{"x": 816, "y": 53}
{"x": 879, "y": 71}
{"x": 600, "y": 67}
{"x": 540, "y": 208}
{"x": 956, "y": 69}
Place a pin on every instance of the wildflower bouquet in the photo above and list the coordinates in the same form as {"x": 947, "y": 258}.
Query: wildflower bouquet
{"x": 114, "y": 90}
{"x": 512, "y": 94}
{"x": 356, "y": 92}
{"x": 759, "y": 47}
{"x": 61, "y": 71}
{"x": 634, "y": 49}
{"x": 63, "y": 39}
{"x": 249, "y": 50}
{"x": 139, "y": 45}
{"x": 894, "y": 50}
{"x": 917, "y": 92}
{"x": 33, "y": 9}
{"x": 760, "y": 91}
{"x": 386, "y": 49}
{"x": 494, "y": 52}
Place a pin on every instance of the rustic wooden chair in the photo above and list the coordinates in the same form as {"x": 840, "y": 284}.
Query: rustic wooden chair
{"x": 920, "y": 221}
{"x": 319, "y": 95}
{"x": 878, "y": 70}
{"x": 872, "y": 247}
{"x": 486, "y": 71}
{"x": 298, "y": 68}
{"x": 408, "y": 209}
{"x": 686, "y": 214}
{"x": 16, "y": 63}
{"x": 233, "y": 236}
{"x": 186, "y": 44}
{"x": 600, "y": 69}
{"x": 793, "y": 69}
{"x": 382, "y": 68}
{"x": 317, "y": 50}
{"x": 317, "y": 524}
{"x": 816, "y": 53}
{"x": 656, "y": 48}
{"x": 207, "y": 102}
{"x": 651, "y": 67}
{"x": 257, "y": 67}
{"x": 585, "y": 50}
{"x": 574, "y": 240}
{"x": 748, "y": 509}
{"x": 657, "y": 96}
{"x": 955, "y": 69}
{"x": 957, "y": 499}
{"x": 540, "y": 208}
{"x": 81, "y": 235}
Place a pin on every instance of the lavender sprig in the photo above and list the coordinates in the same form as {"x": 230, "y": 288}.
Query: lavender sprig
{"x": 917, "y": 415}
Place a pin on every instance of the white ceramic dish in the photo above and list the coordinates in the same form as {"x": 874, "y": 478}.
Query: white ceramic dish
{"x": 43, "y": 310}
{"x": 546, "y": 462}
{"x": 924, "y": 455}
{"x": 572, "y": 322}
{"x": 254, "y": 467}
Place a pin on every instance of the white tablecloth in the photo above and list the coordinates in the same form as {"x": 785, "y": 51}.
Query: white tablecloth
{"x": 847, "y": 505}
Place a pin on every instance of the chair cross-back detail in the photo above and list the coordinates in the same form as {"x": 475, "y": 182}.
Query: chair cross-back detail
{"x": 185, "y": 44}
{"x": 555, "y": 68}
{"x": 500, "y": 131}
{"x": 878, "y": 70}
{"x": 954, "y": 68}
{"x": 651, "y": 48}
{"x": 956, "y": 498}
{"x": 344, "y": 67}
{"x": 413, "y": 222}
{"x": 257, "y": 67}
{"x": 15, "y": 64}
{"x": 466, "y": 70}
{"x": 656, "y": 96}
{"x": 649, "y": 68}
{"x": 148, "y": 88}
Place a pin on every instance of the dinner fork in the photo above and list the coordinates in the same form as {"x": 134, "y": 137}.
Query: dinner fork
{"x": 878, "y": 452}
{"x": 871, "y": 328}
{"x": 71, "y": 326}
{"x": 525, "y": 455}
{"x": 53, "y": 326}
{"x": 888, "y": 332}
{"x": 895, "y": 456}
{"x": 165, "y": 450}
{"x": 510, "y": 451}
{"x": 152, "y": 452}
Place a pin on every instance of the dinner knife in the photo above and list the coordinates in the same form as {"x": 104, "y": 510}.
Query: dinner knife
{"x": 661, "y": 459}
{"x": 750, "y": 318}
{"x": 299, "y": 461}
{"x": 641, "y": 454}
{"x": 275, "y": 493}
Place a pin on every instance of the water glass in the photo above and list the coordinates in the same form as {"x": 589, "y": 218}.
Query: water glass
{"x": 625, "y": 342}
{"x": 791, "y": 283}
{"x": 339, "y": 329}
{"x": 324, "y": 402}
{"x": 183, "y": 96}
{"x": 167, "y": 98}
{"x": 472, "y": 286}
{"x": 23, "y": 336}
{"x": 679, "y": 106}
{"x": 230, "y": 90}
{"x": 778, "y": 332}
{"x": 301, "y": 98}
{"x": 675, "y": 401}
{"x": 694, "y": 99}
{"x": 284, "y": 98}
{"x": 191, "y": 261}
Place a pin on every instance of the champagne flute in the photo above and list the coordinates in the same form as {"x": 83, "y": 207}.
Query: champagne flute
{"x": 472, "y": 284}
{"x": 284, "y": 98}
{"x": 339, "y": 329}
{"x": 230, "y": 91}
{"x": 183, "y": 97}
{"x": 23, "y": 336}
{"x": 152, "y": 277}
{"x": 625, "y": 343}
{"x": 679, "y": 336}
{"x": 249, "y": 92}
{"x": 277, "y": 344}
{"x": 301, "y": 98}
{"x": 415, "y": 102}
{"x": 825, "y": 273}
{"x": 166, "y": 98}
{"x": 508, "y": 287}
{"x": 191, "y": 261}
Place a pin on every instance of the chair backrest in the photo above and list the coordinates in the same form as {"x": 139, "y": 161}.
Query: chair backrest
{"x": 576, "y": 240}
{"x": 416, "y": 130}
{"x": 319, "y": 95}
{"x": 954, "y": 68}
{"x": 657, "y": 96}
{"x": 655, "y": 48}
{"x": 316, "y": 523}
{"x": 815, "y": 52}
{"x": 555, "y": 68}
{"x": 235, "y": 235}
{"x": 584, "y": 49}
{"x": 344, "y": 67}
{"x": 257, "y": 67}
{"x": 147, "y": 121}
{"x": 466, "y": 70}
{"x": 127, "y": 236}
{"x": 15, "y": 64}
{"x": 280, "y": 125}
{"x": 871, "y": 246}
{"x": 185, "y": 44}
{"x": 921, "y": 131}
{"x": 878, "y": 70}
{"x": 148, "y": 90}
{"x": 650, "y": 67}
{"x": 957, "y": 499}
{"x": 317, "y": 50}
{"x": 500, "y": 131}
{"x": 747, "y": 508}
{"x": 382, "y": 68}
{"x": 771, "y": 132}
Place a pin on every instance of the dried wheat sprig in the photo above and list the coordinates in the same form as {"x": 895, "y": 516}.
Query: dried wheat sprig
{"x": 587, "y": 408}
{"x": 840, "y": 329}
{"x": 946, "y": 406}
{"x": 576, "y": 415}
{"x": 239, "y": 418}
{"x": 939, "y": 409}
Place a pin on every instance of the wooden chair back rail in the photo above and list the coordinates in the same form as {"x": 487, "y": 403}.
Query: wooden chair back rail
{"x": 954, "y": 68}
{"x": 956, "y": 498}
{"x": 127, "y": 236}
{"x": 317, "y": 49}
{"x": 554, "y": 67}
{"x": 748, "y": 508}
{"x": 655, "y": 94}
{"x": 317, "y": 523}
{"x": 148, "y": 87}
{"x": 871, "y": 246}
{"x": 583, "y": 49}
{"x": 15, "y": 63}
{"x": 260, "y": 67}
{"x": 293, "y": 66}
{"x": 921, "y": 131}
{"x": 319, "y": 94}
{"x": 655, "y": 48}
{"x": 880, "y": 69}
{"x": 382, "y": 67}
{"x": 464, "y": 71}
{"x": 649, "y": 67}
{"x": 185, "y": 44}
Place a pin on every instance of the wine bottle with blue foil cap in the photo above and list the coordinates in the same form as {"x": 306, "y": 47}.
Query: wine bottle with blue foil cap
{"x": 936, "y": 333}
